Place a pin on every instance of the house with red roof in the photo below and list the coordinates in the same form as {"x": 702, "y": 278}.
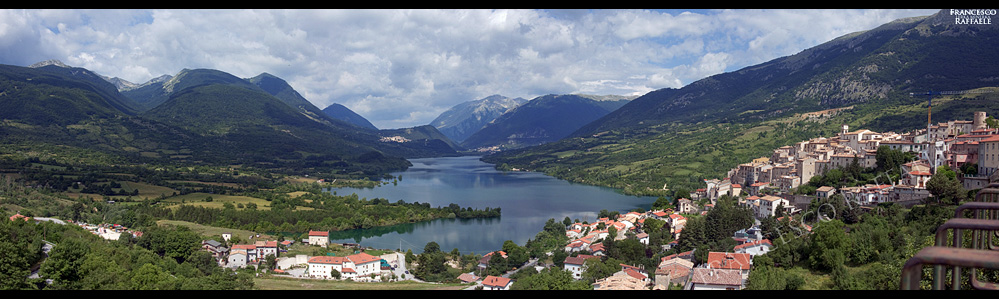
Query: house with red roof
{"x": 730, "y": 261}
{"x": 320, "y": 238}
{"x": 249, "y": 250}
{"x": 755, "y": 188}
{"x": 468, "y": 278}
{"x": 642, "y": 238}
{"x": 636, "y": 272}
{"x": 19, "y": 216}
{"x": 356, "y": 266}
{"x": 237, "y": 258}
{"x": 576, "y": 264}
{"x": 676, "y": 222}
{"x": 716, "y": 279}
{"x": 597, "y": 249}
{"x": 496, "y": 283}
{"x": 265, "y": 248}
{"x": 754, "y": 248}
{"x": 673, "y": 270}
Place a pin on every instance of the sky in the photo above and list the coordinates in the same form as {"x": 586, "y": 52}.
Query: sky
{"x": 402, "y": 68}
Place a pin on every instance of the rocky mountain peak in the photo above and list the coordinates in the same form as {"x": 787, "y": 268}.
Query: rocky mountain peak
{"x": 54, "y": 62}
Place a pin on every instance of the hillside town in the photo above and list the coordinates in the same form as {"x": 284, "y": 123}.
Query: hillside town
{"x": 767, "y": 182}
{"x": 766, "y": 186}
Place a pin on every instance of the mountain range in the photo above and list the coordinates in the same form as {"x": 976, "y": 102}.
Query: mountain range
{"x": 541, "y": 120}
{"x": 197, "y": 116}
{"x": 680, "y": 136}
{"x": 466, "y": 118}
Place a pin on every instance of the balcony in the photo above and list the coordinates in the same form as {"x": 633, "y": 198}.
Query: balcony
{"x": 956, "y": 255}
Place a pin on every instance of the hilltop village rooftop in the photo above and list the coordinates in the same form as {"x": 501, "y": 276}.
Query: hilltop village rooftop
{"x": 953, "y": 143}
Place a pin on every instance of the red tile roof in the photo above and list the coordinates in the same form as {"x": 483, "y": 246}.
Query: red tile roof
{"x": 363, "y": 258}
{"x": 466, "y": 277}
{"x": 319, "y": 233}
{"x": 728, "y": 260}
{"x": 755, "y": 243}
{"x": 717, "y": 277}
{"x": 495, "y": 281}
{"x": 579, "y": 260}
{"x": 682, "y": 254}
{"x": 266, "y": 243}
{"x": 328, "y": 260}
{"x": 244, "y": 246}
{"x": 633, "y": 273}
{"x": 674, "y": 270}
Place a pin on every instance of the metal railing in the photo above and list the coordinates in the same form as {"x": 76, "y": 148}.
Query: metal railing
{"x": 983, "y": 254}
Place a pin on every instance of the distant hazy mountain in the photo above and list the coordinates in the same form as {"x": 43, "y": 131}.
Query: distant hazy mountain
{"x": 466, "y": 118}
{"x": 543, "y": 119}
{"x": 343, "y": 113}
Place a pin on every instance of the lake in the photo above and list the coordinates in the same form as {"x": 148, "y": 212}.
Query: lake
{"x": 527, "y": 200}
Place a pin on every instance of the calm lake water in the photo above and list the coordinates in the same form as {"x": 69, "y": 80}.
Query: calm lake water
{"x": 527, "y": 201}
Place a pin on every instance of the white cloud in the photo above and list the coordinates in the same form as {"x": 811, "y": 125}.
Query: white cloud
{"x": 399, "y": 68}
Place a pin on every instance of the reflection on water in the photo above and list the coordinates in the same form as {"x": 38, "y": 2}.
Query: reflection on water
{"x": 527, "y": 200}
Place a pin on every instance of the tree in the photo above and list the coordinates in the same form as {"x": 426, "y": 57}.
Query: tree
{"x": 658, "y": 231}
{"x": 701, "y": 254}
{"x": 177, "y": 243}
{"x": 597, "y": 269}
{"x": 829, "y": 244}
{"x": 497, "y": 265}
{"x": 888, "y": 159}
{"x": 681, "y": 192}
{"x": 63, "y": 265}
{"x": 550, "y": 279}
{"x": 20, "y": 247}
{"x": 516, "y": 255}
{"x": 629, "y": 250}
{"x": 945, "y": 186}
{"x": 608, "y": 214}
{"x": 431, "y": 263}
{"x": 203, "y": 261}
{"x": 661, "y": 203}
{"x": 558, "y": 258}
{"x": 270, "y": 262}
{"x": 151, "y": 277}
